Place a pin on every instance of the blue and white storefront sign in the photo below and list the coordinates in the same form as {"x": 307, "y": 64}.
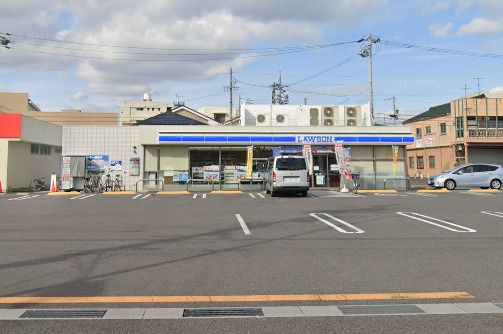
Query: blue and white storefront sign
{"x": 282, "y": 139}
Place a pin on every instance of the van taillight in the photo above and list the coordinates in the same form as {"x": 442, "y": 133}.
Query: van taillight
{"x": 308, "y": 177}
{"x": 273, "y": 176}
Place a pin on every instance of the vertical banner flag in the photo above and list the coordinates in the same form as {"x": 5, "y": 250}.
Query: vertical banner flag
{"x": 339, "y": 157}
{"x": 348, "y": 169}
{"x": 249, "y": 162}
{"x": 395, "y": 158}
{"x": 307, "y": 152}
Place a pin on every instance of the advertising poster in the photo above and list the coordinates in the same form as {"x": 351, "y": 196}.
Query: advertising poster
{"x": 66, "y": 173}
{"x": 395, "y": 158}
{"x": 134, "y": 166}
{"x": 347, "y": 169}
{"x": 96, "y": 163}
{"x": 249, "y": 162}
{"x": 309, "y": 157}
{"x": 116, "y": 166}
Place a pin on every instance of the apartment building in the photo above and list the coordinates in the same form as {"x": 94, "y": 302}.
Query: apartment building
{"x": 465, "y": 130}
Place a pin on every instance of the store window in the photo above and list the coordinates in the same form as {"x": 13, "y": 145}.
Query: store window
{"x": 420, "y": 162}
{"x": 431, "y": 161}
{"x": 45, "y": 150}
{"x": 443, "y": 128}
{"x": 411, "y": 162}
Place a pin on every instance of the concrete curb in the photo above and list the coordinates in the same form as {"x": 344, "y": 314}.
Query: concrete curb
{"x": 441, "y": 190}
{"x": 64, "y": 193}
{"x": 173, "y": 193}
{"x": 119, "y": 193}
{"x": 484, "y": 190}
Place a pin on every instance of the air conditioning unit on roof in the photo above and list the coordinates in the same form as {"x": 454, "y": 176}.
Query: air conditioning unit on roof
{"x": 353, "y": 116}
{"x": 330, "y": 116}
{"x": 314, "y": 116}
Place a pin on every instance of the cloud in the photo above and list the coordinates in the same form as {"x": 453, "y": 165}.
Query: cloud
{"x": 482, "y": 26}
{"x": 437, "y": 6}
{"x": 163, "y": 24}
{"x": 79, "y": 96}
{"x": 441, "y": 30}
{"x": 496, "y": 90}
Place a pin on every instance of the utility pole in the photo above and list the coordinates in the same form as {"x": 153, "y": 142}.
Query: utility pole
{"x": 231, "y": 88}
{"x": 394, "y": 115}
{"x": 366, "y": 52}
{"x": 478, "y": 83}
{"x": 279, "y": 95}
{"x": 305, "y": 101}
{"x": 466, "y": 89}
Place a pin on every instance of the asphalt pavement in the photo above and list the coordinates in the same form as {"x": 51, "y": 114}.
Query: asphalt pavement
{"x": 369, "y": 248}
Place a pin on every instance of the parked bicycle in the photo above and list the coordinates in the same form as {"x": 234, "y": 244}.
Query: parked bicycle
{"x": 93, "y": 183}
{"x": 356, "y": 181}
{"x": 38, "y": 185}
{"x": 117, "y": 185}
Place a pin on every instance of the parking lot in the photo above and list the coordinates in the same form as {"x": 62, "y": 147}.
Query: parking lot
{"x": 359, "y": 249}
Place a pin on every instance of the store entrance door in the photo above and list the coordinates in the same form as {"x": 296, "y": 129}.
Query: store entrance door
{"x": 326, "y": 171}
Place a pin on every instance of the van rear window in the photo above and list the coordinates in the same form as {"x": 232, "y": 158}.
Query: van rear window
{"x": 290, "y": 164}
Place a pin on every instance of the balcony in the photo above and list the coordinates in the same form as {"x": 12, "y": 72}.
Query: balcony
{"x": 485, "y": 133}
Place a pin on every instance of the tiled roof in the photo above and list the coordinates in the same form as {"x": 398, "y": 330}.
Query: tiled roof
{"x": 169, "y": 118}
{"x": 443, "y": 109}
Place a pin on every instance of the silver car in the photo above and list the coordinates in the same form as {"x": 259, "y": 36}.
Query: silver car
{"x": 469, "y": 175}
{"x": 287, "y": 173}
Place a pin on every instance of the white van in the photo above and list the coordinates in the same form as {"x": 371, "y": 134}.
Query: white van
{"x": 287, "y": 173}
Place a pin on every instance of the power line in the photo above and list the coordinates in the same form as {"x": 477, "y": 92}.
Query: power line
{"x": 181, "y": 49}
{"x": 443, "y": 50}
{"x": 328, "y": 69}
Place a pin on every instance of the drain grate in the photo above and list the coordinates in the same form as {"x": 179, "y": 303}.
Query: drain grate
{"x": 380, "y": 309}
{"x": 222, "y": 312}
{"x": 63, "y": 314}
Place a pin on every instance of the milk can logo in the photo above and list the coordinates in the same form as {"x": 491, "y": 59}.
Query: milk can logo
{"x": 316, "y": 139}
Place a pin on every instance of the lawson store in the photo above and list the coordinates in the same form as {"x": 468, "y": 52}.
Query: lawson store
{"x": 177, "y": 153}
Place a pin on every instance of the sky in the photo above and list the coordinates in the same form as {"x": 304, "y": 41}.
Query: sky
{"x": 94, "y": 55}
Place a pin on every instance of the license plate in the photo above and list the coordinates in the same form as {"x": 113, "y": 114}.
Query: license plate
{"x": 291, "y": 179}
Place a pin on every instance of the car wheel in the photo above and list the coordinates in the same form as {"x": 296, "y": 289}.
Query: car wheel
{"x": 274, "y": 193}
{"x": 496, "y": 184}
{"x": 450, "y": 184}
{"x": 304, "y": 193}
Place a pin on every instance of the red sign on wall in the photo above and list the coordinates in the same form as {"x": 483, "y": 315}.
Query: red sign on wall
{"x": 10, "y": 125}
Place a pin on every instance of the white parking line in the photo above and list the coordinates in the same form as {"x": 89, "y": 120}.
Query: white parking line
{"x": 135, "y": 197}
{"x": 146, "y": 196}
{"x": 87, "y": 196}
{"x": 354, "y": 228}
{"x": 389, "y": 195}
{"x": 477, "y": 194}
{"x": 204, "y": 196}
{"x": 428, "y": 220}
{"x": 422, "y": 194}
{"x": 78, "y": 196}
{"x": 243, "y": 224}
{"x": 493, "y": 213}
{"x": 260, "y": 195}
{"x": 23, "y": 197}
{"x": 251, "y": 195}
{"x": 195, "y": 196}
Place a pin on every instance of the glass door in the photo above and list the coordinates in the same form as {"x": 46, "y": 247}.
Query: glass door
{"x": 320, "y": 170}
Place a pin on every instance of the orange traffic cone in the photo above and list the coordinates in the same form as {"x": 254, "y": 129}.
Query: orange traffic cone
{"x": 54, "y": 188}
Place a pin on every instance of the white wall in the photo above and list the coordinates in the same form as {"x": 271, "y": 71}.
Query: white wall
{"x": 23, "y": 167}
{"x": 4, "y": 154}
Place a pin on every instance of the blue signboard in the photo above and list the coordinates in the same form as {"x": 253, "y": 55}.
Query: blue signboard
{"x": 285, "y": 139}
{"x": 96, "y": 163}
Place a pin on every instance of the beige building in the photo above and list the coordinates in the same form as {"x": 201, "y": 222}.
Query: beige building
{"x": 29, "y": 149}
{"x": 466, "y": 130}
{"x": 134, "y": 111}
{"x": 19, "y": 103}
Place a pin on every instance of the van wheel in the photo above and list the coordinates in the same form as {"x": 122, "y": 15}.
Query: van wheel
{"x": 304, "y": 193}
{"x": 450, "y": 184}
{"x": 496, "y": 184}
{"x": 274, "y": 193}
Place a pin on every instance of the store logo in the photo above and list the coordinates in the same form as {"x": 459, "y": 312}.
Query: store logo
{"x": 315, "y": 139}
